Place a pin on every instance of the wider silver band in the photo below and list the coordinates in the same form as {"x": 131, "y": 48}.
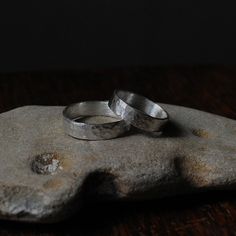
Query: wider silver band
{"x": 76, "y": 127}
{"x": 138, "y": 111}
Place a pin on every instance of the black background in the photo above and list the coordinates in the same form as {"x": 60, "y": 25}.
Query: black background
{"x": 69, "y": 34}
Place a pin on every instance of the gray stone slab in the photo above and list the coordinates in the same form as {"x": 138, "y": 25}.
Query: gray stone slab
{"x": 46, "y": 175}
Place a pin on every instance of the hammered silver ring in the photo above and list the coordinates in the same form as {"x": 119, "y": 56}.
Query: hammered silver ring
{"x": 138, "y": 111}
{"x": 75, "y": 125}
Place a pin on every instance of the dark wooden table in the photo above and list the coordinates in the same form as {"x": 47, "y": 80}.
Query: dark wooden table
{"x": 209, "y": 88}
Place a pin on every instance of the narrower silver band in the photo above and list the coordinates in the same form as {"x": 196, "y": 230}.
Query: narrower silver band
{"x": 138, "y": 111}
{"x": 76, "y": 127}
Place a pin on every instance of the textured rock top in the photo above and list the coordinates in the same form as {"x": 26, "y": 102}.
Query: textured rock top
{"x": 44, "y": 173}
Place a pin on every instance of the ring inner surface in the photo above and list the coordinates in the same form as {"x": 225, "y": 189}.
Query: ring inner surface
{"x": 91, "y": 113}
{"x": 142, "y": 104}
{"x": 95, "y": 120}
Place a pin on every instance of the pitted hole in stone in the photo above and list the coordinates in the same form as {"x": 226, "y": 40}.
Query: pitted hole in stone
{"x": 201, "y": 133}
{"x": 45, "y": 163}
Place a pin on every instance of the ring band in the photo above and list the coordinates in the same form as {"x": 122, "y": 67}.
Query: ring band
{"x": 138, "y": 111}
{"x": 76, "y": 127}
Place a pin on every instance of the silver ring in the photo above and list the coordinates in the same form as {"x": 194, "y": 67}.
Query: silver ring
{"x": 138, "y": 111}
{"x": 76, "y": 126}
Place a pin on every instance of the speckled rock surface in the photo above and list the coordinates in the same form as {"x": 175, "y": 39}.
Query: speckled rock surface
{"x": 46, "y": 175}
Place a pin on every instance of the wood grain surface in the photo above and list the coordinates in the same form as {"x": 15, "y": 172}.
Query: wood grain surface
{"x": 208, "y": 88}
